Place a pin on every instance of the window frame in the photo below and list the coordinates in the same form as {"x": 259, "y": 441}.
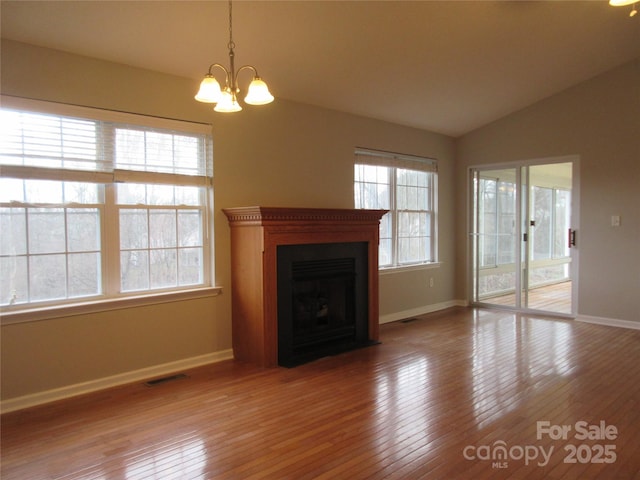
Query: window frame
{"x": 394, "y": 162}
{"x": 111, "y": 295}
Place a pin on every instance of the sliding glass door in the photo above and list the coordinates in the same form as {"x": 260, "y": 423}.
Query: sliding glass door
{"x": 520, "y": 229}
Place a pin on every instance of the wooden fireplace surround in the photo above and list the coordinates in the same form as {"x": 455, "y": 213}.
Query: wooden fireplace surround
{"x": 256, "y": 232}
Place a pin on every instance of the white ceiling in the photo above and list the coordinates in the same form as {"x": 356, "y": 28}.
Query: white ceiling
{"x": 444, "y": 66}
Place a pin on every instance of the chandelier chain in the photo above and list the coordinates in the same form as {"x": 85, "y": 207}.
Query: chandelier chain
{"x": 231, "y": 44}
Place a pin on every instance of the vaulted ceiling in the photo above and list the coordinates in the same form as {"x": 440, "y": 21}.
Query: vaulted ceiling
{"x": 444, "y": 66}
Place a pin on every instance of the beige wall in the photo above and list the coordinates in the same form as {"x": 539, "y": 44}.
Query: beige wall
{"x": 283, "y": 154}
{"x": 598, "y": 121}
{"x": 288, "y": 154}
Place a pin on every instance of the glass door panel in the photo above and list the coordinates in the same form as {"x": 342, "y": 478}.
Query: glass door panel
{"x": 549, "y": 256}
{"x": 495, "y": 236}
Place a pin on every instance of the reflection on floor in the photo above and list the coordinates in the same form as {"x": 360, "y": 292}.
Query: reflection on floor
{"x": 551, "y": 298}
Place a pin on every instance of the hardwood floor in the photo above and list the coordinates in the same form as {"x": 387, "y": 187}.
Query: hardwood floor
{"x": 436, "y": 400}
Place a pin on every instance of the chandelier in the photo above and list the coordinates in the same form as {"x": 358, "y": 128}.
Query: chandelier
{"x": 622, "y": 3}
{"x": 226, "y": 98}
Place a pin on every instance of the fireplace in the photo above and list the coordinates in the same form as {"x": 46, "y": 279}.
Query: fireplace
{"x": 304, "y": 282}
{"x": 322, "y": 300}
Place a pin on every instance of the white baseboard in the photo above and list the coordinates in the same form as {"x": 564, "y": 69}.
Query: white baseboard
{"x": 414, "y": 312}
{"x": 31, "y": 400}
{"x": 609, "y": 322}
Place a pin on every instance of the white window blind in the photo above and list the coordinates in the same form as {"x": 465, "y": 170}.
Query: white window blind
{"x": 397, "y": 160}
{"x": 84, "y": 144}
{"x": 49, "y": 141}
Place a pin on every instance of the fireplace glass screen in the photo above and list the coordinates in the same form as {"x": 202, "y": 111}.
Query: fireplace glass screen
{"x": 322, "y": 300}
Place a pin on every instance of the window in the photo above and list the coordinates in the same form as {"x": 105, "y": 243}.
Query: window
{"x": 97, "y": 204}
{"x": 497, "y": 222}
{"x": 547, "y": 227}
{"x": 550, "y": 212}
{"x": 406, "y": 186}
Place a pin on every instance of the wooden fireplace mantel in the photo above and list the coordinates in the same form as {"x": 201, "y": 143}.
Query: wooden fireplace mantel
{"x": 256, "y": 232}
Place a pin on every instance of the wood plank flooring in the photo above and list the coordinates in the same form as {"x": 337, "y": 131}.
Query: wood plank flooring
{"x": 455, "y": 394}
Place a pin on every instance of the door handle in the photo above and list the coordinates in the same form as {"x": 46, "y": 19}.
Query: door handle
{"x": 572, "y": 238}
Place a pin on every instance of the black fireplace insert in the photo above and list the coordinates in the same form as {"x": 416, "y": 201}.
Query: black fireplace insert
{"x": 322, "y": 300}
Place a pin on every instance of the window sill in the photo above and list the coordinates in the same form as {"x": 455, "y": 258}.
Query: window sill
{"x": 95, "y": 306}
{"x": 408, "y": 268}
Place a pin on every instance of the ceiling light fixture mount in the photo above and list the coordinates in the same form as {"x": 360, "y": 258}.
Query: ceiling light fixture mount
{"x": 624, "y": 3}
{"x": 226, "y": 98}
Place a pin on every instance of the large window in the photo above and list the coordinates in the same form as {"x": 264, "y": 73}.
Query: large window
{"x": 97, "y": 204}
{"x": 406, "y": 186}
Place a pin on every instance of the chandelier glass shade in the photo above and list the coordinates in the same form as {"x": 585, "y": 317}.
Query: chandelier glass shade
{"x": 226, "y": 98}
{"x": 209, "y": 90}
{"x": 623, "y": 3}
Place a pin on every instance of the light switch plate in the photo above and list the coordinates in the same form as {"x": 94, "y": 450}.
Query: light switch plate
{"x": 615, "y": 220}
